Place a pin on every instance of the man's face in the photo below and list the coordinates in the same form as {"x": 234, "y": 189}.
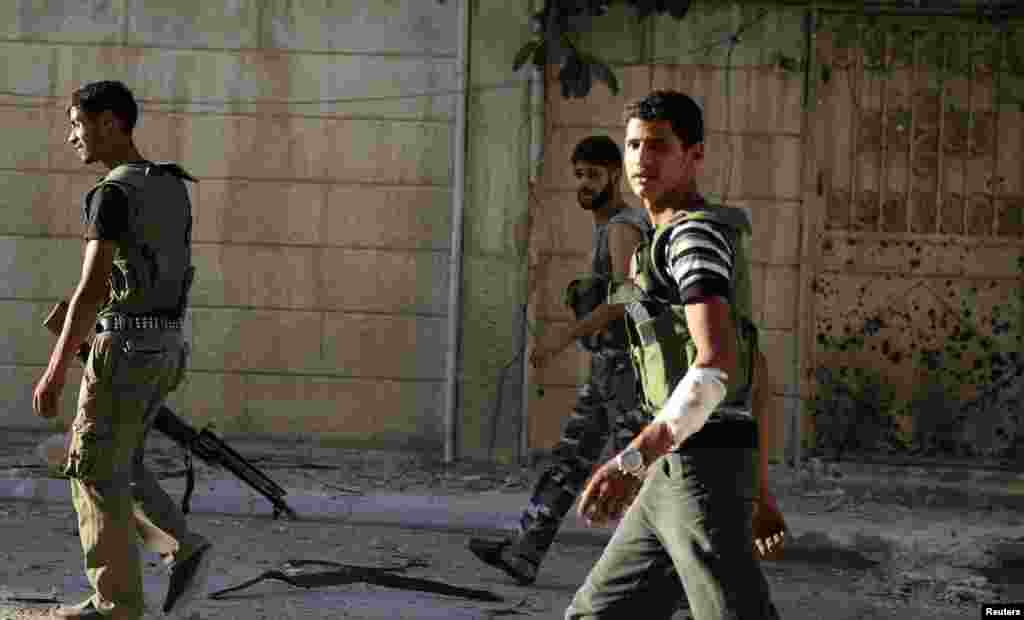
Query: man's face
{"x": 87, "y": 134}
{"x": 657, "y": 162}
{"x": 594, "y": 184}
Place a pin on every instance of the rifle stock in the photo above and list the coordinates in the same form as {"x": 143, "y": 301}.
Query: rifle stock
{"x": 204, "y": 444}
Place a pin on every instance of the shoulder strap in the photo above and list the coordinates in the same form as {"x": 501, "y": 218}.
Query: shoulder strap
{"x": 637, "y": 218}
{"x": 731, "y": 217}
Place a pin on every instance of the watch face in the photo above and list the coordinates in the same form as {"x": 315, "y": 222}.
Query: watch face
{"x": 632, "y": 460}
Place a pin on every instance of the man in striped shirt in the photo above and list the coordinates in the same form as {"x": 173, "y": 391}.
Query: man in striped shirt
{"x": 689, "y": 530}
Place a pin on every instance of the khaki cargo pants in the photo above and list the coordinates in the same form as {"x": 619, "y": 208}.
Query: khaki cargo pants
{"x": 118, "y": 500}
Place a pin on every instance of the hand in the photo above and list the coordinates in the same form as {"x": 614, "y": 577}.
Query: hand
{"x": 608, "y": 494}
{"x": 46, "y": 395}
{"x": 769, "y": 528}
{"x": 541, "y": 355}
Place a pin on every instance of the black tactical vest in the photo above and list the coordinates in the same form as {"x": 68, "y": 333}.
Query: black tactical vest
{"x": 153, "y": 262}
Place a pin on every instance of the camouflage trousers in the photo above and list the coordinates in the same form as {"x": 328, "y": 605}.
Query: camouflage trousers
{"x": 606, "y": 407}
{"x": 118, "y": 500}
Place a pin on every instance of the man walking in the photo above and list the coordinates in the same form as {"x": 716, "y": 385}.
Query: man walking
{"x": 606, "y": 403}
{"x": 689, "y": 530}
{"x": 131, "y": 298}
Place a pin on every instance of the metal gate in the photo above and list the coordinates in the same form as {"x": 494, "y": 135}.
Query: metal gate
{"x": 911, "y": 310}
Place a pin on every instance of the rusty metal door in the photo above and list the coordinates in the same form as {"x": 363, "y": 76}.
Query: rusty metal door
{"x": 911, "y": 312}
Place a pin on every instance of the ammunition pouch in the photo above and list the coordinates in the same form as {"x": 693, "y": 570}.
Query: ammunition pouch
{"x": 583, "y": 296}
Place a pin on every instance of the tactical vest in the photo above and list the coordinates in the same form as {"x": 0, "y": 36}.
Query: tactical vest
{"x": 153, "y": 269}
{"x": 659, "y": 341}
{"x": 585, "y": 294}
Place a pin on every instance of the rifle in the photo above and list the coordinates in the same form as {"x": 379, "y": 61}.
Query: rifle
{"x": 204, "y": 444}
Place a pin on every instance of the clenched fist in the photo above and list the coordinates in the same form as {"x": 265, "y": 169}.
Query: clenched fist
{"x": 769, "y": 529}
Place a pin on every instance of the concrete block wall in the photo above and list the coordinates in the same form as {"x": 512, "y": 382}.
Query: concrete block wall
{"x": 754, "y": 157}
{"x": 321, "y": 216}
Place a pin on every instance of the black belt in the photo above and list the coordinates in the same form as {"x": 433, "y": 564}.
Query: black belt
{"x": 730, "y": 433}
{"x": 120, "y": 322}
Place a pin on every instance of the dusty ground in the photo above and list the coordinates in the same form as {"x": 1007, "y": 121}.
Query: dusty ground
{"x": 953, "y": 560}
{"x": 41, "y": 558}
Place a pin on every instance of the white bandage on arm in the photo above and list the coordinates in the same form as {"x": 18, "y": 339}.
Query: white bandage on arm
{"x": 692, "y": 401}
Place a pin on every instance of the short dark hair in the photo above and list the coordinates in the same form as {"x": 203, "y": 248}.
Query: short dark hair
{"x": 678, "y": 109}
{"x": 599, "y": 150}
{"x": 96, "y": 97}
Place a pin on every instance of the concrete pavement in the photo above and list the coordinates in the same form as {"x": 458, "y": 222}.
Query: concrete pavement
{"x": 820, "y": 508}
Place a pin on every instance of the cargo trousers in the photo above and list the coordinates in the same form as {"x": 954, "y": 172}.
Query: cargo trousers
{"x": 126, "y": 379}
{"x": 687, "y": 534}
{"x": 606, "y": 407}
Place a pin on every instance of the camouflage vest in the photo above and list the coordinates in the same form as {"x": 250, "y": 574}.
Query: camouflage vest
{"x": 153, "y": 264}
{"x": 660, "y": 343}
{"x": 585, "y": 294}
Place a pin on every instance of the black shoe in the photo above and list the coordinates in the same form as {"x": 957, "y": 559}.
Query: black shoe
{"x": 82, "y": 611}
{"x": 187, "y": 579}
{"x": 499, "y": 554}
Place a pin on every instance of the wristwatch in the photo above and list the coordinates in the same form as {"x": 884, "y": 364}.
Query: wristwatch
{"x": 631, "y": 461}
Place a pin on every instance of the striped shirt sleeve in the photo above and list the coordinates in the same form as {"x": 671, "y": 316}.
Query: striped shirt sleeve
{"x": 699, "y": 257}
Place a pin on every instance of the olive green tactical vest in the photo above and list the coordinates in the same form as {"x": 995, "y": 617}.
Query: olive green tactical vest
{"x": 660, "y": 344}
{"x": 153, "y": 263}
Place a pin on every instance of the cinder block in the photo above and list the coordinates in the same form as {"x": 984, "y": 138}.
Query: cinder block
{"x": 763, "y": 167}
{"x": 193, "y": 24}
{"x": 274, "y": 83}
{"x": 216, "y": 338}
{"x": 211, "y": 398}
{"x": 775, "y": 420}
{"x": 240, "y": 211}
{"x": 777, "y": 228}
{"x": 389, "y": 152}
{"x": 38, "y": 268}
{"x": 376, "y": 346}
{"x": 281, "y": 341}
{"x": 257, "y": 147}
{"x": 395, "y": 412}
{"x": 561, "y": 225}
{"x": 161, "y": 78}
{"x": 383, "y": 281}
{"x": 161, "y": 135}
{"x": 358, "y": 86}
{"x": 255, "y": 276}
{"x": 42, "y": 203}
{"x": 260, "y": 340}
{"x": 31, "y": 343}
{"x": 781, "y": 292}
{"x": 78, "y": 22}
{"x": 26, "y": 130}
{"x": 28, "y": 71}
{"x": 407, "y": 26}
{"x": 600, "y": 108}
{"x": 548, "y": 414}
{"x": 496, "y": 217}
{"x": 388, "y": 217}
{"x": 16, "y": 386}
